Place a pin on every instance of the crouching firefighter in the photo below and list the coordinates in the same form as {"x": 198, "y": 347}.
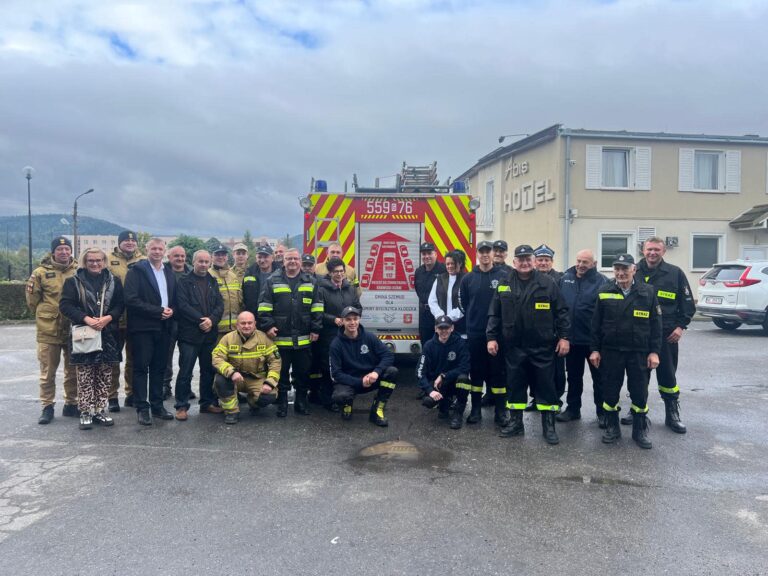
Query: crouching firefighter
{"x": 443, "y": 373}
{"x": 246, "y": 361}
{"x": 360, "y": 363}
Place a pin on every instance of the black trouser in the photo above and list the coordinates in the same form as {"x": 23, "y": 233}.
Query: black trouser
{"x": 460, "y": 388}
{"x": 150, "y": 352}
{"x": 613, "y": 365}
{"x": 665, "y": 373}
{"x": 300, "y": 359}
{"x": 385, "y": 385}
{"x": 171, "y": 348}
{"x": 540, "y": 365}
{"x": 426, "y": 324}
{"x": 574, "y": 364}
{"x": 320, "y": 384}
{"x": 485, "y": 368}
{"x": 188, "y": 355}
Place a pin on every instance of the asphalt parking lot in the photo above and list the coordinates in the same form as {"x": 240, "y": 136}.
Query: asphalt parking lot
{"x": 313, "y": 495}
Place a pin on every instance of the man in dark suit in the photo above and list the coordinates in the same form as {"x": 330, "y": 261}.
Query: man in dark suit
{"x": 150, "y": 293}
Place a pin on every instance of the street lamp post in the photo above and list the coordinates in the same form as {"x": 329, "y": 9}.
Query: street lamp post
{"x": 76, "y": 243}
{"x": 28, "y": 171}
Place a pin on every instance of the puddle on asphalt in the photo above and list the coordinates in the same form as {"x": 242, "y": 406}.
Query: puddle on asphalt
{"x": 399, "y": 454}
{"x": 603, "y": 481}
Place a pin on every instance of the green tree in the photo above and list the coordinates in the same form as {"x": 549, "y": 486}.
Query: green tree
{"x": 191, "y": 244}
{"x": 141, "y": 239}
{"x": 248, "y": 241}
{"x": 212, "y": 243}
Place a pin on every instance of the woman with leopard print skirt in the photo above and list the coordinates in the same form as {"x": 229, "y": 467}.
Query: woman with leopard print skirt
{"x": 81, "y": 302}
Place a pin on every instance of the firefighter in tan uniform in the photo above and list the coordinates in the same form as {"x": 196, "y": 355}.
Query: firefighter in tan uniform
{"x": 230, "y": 287}
{"x": 119, "y": 261}
{"x": 246, "y": 361}
{"x": 43, "y": 294}
{"x": 335, "y": 251}
{"x": 240, "y": 256}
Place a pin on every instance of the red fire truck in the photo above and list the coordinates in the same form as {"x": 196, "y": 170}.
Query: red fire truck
{"x": 380, "y": 230}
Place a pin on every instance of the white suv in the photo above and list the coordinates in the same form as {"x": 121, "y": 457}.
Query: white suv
{"x": 735, "y": 293}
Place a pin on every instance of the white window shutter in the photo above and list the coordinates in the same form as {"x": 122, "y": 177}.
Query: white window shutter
{"x": 643, "y": 168}
{"x": 733, "y": 171}
{"x": 594, "y": 175}
{"x": 685, "y": 177}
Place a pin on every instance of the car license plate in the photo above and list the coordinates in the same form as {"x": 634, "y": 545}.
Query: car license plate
{"x": 713, "y": 299}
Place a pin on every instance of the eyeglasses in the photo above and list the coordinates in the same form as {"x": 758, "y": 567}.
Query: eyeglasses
{"x": 94, "y": 261}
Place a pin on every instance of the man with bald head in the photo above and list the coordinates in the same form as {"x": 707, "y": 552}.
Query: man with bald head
{"x": 200, "y": 307}
{"x": 579, "y": 286}
{"x": 247, "y": 362}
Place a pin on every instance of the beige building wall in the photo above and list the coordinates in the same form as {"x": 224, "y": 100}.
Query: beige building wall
{"x": 661, "y": 208}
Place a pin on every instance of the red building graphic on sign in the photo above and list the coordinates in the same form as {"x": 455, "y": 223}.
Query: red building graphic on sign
{"x": 388, "y": 265}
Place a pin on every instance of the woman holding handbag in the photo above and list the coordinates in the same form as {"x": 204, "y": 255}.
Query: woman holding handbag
{"x": 93, "y": 301}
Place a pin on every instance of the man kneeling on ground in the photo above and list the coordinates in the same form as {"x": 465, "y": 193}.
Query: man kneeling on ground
{"x": 443, "y": 372}
{"x": 360, "y": 363}
{"x": 247, "y": 361}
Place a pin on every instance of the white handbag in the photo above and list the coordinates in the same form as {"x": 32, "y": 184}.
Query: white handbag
{"x": 84, "y": 338}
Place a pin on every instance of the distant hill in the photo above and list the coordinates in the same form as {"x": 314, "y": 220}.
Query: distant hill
{"x": 45, "y": 227}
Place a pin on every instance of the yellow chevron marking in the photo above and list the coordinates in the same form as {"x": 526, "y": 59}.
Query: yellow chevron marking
{"x": 432, "y": 203}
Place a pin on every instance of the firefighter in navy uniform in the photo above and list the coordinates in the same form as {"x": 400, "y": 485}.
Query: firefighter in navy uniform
{"x": 443, "y": 372}
{"x": 529, "y": 316}
{"x": 544, "y": 258}
{"x": 626, "y": 338}
{"x": 475, "y": 295}
{"x": 291, "y": 314}
{"x": 677, "y": 310}
{"x": 424, "y": 280}
{"x": 360, "y": 363}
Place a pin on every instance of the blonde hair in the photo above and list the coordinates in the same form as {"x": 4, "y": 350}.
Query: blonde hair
{"x": 93, "y": 250}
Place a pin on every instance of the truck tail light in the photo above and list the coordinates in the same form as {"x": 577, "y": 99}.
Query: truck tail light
{"x": 743, "y": 280}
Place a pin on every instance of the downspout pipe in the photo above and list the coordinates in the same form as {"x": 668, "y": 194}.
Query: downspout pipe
{"x": 567, "y": 198}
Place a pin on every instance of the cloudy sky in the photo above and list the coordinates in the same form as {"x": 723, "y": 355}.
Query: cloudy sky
{"x": 211, "y": 117}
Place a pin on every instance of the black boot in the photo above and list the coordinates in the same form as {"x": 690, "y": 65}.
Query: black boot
{"x": 70, "y": 410}
{"x": 612, "y": 431}
{"x": 640, "y": 425}
{"x": 488, "y": 399}
{"x": 444, "y": 409}
{"x": 346, "y": 410}
{"x": 47, "y": 415}
{"x": 672, "y": 420}
{"x": 514, "y": 426}
{"x": 548, "y": 428}
{"x": 475, "y": 413}
{"x": 569, "y": 414}
{"x": 501, "y": 414}
{"x": 457, "y": 415}
{"x": 301, "y": 403}
{"x": 114, "y": 405}
{"x": 378, "y": 416}
{"x": 282, "y": 402}
{"x": 601, "y": 422}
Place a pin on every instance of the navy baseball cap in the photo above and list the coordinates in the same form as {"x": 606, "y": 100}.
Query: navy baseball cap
{"x": 427, "y": 247}
{"x": 443, "y": 321}
{"x": 349, "y": 310}
{"x": 523, "y": 250}
{"x": 624, "y": 260}
{"x": 501, "y": 245}
{"x": 484, "y": 245}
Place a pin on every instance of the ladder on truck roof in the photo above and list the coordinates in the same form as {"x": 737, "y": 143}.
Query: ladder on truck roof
{"x": 410, "y": 180}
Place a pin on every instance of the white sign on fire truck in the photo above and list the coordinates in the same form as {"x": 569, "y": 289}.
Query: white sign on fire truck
{"x": 388, "y": 256}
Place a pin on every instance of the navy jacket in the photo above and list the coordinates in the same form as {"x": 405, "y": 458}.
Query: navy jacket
{"x": 475, "y": 295}
{"x": 450, "y": 359}
{"x": 581, "y": 296}
{"x": 142, "y": 298}
{"x": 352, "y": 359}
{"x": 672, "y": 291}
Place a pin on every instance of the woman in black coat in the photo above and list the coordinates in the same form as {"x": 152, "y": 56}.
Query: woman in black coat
{"x": 81, "y": 302}
{"x": 337, "y": 293}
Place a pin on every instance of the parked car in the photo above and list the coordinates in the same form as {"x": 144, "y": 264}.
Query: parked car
{"x": 735, "y": 293}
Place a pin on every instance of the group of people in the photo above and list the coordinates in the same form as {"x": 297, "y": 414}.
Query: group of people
{"x": 490, "y": 336}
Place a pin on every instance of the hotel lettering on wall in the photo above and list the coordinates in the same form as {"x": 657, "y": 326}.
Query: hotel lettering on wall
{"x": 527, "y": 195}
